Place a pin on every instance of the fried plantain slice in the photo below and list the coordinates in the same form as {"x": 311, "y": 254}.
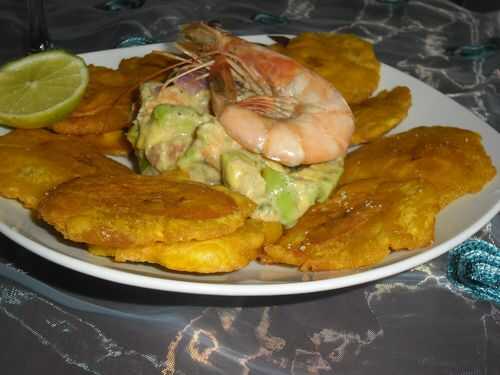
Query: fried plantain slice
{"x": 273, "y": 230}
{"x": 110, "y": 143}
{"x": 345, "y": 60}
{"x": 137, "y": 210}
{"x": 107, "y": 103}
{"x": 452, "y": 159}
{"x": 359, "y": 225}
{"x": 19, "y": 138}
{"x": 105, "y": 86}
{"x": 35, "y": 161}
{"x": 153, "y": 66}
{"x": 223, "y": 254}
{"x": 106, "y": 120}
{"x": 377, "y": 115}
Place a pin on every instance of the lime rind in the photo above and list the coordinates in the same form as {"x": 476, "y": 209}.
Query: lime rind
{"x": 41, "y": 89}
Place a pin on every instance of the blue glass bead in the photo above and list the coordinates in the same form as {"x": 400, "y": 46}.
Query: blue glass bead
{"x": 269, "y": 19}
{"x": 474, "y": 267}
{"x": 116, "y": 5}
{"x": 475, "y": 51}
{"x": 393, "y": 3}
{"x": 135, "y": 41}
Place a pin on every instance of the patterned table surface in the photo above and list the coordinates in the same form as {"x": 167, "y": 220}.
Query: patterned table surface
{"x": 57, "y": 321}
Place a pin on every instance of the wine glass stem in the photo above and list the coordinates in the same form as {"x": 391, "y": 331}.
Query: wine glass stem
{"x": 39, "y": 39}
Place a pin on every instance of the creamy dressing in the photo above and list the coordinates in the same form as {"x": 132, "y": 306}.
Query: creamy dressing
{"x": 185, "y": 136}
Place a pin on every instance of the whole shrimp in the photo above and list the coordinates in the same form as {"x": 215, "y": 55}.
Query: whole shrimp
{"x": 269, "y": 103}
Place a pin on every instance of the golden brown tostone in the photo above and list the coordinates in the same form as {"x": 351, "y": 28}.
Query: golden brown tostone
{"x": 135, "y": 210}
{"x": 359, "y": 225}
{"x": 377, "y": 115}
{"x": 347, "y": 61}
{"x": 36, "y": 161}
{"x": 453, "y": 160}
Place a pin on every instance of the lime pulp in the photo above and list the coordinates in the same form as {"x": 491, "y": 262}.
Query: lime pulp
{"x": 41, "y": 89}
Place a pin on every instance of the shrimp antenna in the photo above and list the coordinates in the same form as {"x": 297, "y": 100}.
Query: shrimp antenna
{"x": 189, "y": 71}
{"x": 132, "y": 88}
{"x": 261, "y": 85}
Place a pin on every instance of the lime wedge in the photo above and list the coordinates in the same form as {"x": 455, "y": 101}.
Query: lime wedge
{"x": 41, "y": 89}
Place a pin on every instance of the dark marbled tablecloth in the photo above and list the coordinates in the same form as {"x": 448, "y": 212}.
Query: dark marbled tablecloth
{"x": 54, "y": 320}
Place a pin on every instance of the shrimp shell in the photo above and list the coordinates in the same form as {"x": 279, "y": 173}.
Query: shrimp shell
{"x": 287, "y": 112}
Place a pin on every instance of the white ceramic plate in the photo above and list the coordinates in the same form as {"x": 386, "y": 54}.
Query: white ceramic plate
{"x": 455, "y": 224}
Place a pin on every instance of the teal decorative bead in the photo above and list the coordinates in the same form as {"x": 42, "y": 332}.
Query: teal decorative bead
{"x": 269, "y": 19}
{"x": 116, "y": 5}
{"x": 474, "y": 267}
{"x": 476, "y": 51}
{"x": 135, "y": 41}
{"x": 393, "y": 3}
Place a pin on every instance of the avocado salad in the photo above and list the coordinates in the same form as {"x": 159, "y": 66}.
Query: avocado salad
{"x": 175, "y": 130}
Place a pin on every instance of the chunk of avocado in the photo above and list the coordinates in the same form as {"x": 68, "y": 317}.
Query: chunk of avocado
{"x": 166, "y": 135}
{"x": 202, "y": 160}
{"x": 323, "y": 176}
{"x": 281, "y": 192}
{"x": 241, "y": 173}
{"x": 264, "y": 182}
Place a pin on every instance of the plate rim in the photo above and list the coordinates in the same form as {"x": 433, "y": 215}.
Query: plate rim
{"x": 235, "y": 289}
{"x": 247, "y": 289}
